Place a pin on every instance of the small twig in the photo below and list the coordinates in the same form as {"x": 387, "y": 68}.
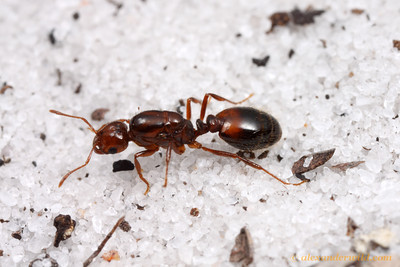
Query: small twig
{"x": 98, "y": 250}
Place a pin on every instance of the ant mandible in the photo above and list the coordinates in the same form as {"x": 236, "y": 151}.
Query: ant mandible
{"x": 245, "y": 128}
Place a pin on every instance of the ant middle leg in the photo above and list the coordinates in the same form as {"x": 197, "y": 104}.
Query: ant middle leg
{"x": 246, "y": 161}
{"x": 167, "y": 159}
{"x": 145, "y": 153}
{"x": 189, "y": 107}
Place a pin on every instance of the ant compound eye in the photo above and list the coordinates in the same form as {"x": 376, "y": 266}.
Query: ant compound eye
{"x": 112, "y": 150}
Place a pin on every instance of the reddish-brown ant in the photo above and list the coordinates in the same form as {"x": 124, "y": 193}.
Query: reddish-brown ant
{"x": 242, "y": 127}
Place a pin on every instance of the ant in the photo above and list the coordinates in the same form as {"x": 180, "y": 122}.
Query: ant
{"x": 245, "y": 128}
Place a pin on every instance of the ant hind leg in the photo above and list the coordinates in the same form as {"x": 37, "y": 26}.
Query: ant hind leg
{"x": 246, "y": 161}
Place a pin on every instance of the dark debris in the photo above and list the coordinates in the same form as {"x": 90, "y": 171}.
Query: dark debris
{"x": 297, "y": 16}
{"x": 291, "y": 53}
{"x": 305, "y": 17}
{"x": 125, "y": 226}
{"x": 65, "y": 226}
{"x": 78, "y": 88}
{"x": 98, "y": 114}
{"x": 123, "y": 165}
{"x": 75, "y": 16}
{"x": 52, "y": 38}
{"x": 260, "y": 62}
{"x": 17, "y": 234}
{"x": 139, "y": 207}
{"x": 194, "y": 212}
{"x": 263, "y": 155}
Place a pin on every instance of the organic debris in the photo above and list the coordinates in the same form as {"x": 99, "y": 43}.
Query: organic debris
{"x": 243, "y": 249}
{"x": 65, "y": 226}
{"x": 348, "y": 165}
{"x": 296, "y": 15}
{"x": 98, "y": 114}
{"x": 314, "y": 160}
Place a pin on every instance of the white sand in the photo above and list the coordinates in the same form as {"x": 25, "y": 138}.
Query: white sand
{"x": 154, "y": 53}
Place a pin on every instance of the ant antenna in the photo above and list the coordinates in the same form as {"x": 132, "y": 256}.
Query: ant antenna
{"x": 69, "y": 173}
{"x": 76, "y": 117}
{"x": 91, "y": 151}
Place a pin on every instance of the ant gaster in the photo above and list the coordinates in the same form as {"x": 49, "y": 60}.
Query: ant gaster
{"x": 245, "y": 128}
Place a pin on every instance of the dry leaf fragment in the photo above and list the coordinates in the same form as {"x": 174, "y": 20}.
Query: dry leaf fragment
{"x": 348, "y": 165}
{"x": 111, "y": 255}
{"x": 316, "y": 160}
{"x": 243, "y": 249}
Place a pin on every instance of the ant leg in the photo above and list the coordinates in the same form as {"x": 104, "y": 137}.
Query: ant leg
{"x": 145, "y": 153}
{"x": 246, "y": 161}
{"x": 80, "y": 167}
{"x": 167, "y": 158}
{"x": 189, "y": 108}
{"x": 208, "y": 97}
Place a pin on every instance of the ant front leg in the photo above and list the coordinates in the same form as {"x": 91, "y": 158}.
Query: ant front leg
{"x": 246, "y": 161}
{"x": 145, "y": 153}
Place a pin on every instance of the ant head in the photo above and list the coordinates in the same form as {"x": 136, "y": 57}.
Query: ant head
{"x": 111, "y": 138}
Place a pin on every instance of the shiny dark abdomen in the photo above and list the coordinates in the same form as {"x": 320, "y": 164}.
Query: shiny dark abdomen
{"x": 248, "y": 129}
